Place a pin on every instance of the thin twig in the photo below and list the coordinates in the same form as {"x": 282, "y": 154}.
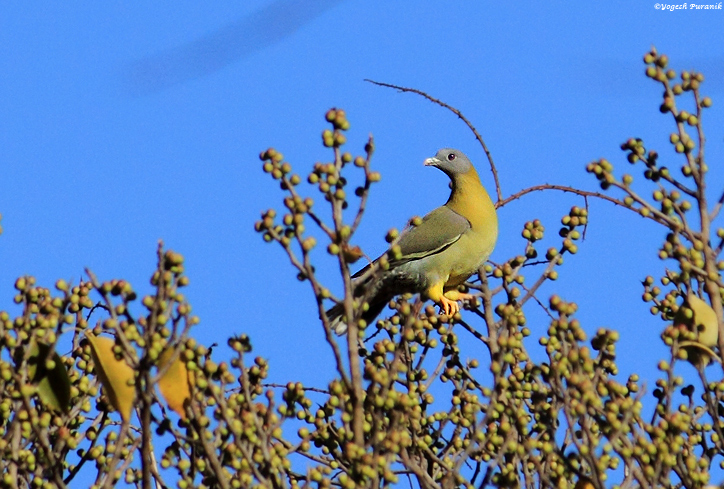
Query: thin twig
{"x": 562, "y": 188}
{"x": 455, "y": 111}
{"x": 284, "y": 386}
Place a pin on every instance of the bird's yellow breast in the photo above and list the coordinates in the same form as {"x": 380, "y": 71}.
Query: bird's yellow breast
{"x": 470, "y": 199}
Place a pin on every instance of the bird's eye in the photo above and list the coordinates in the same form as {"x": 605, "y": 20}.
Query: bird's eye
{"x": 451, "y": 156}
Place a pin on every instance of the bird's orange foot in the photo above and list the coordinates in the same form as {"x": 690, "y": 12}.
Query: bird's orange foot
{"x": 455, "y": 296}
{"x": 449, "y": 307}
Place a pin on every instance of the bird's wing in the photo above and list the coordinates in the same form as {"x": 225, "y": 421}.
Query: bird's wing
{"x": 438, "y": 230}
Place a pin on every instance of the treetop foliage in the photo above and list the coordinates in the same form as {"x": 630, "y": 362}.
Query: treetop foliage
{"x": 408, "y": 404}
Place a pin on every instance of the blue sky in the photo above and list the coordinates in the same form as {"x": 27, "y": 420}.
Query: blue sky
{"x": 122, "y": 124}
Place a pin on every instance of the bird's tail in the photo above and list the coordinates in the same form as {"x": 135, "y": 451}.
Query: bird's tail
{"x": 336, "y": 320}
{"x": 376, "y": 304}
{"x": 376, "y": 292}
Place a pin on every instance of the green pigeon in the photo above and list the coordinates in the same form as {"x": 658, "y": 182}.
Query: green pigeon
{"x": 450, "y": 244}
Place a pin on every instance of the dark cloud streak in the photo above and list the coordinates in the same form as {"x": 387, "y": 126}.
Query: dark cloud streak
{"x": 221, "y": 48}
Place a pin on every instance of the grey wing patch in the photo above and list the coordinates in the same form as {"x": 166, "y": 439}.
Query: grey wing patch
{"x": 438, "y": 230}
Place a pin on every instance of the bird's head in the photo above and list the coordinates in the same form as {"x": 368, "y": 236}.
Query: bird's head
{"x": 450, "y": 161}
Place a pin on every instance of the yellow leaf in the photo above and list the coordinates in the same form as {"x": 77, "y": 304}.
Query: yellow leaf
{"x": 53, "y": 385}
{"x": 114, "y": 374}
{"x": 697, "y": 316}
{"x": 174, "y": 383}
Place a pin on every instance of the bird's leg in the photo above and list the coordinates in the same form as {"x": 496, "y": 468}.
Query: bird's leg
{"x": 448, "y": 304}
{"x": 456, "y": 295}
{"x": 449, "y": 307}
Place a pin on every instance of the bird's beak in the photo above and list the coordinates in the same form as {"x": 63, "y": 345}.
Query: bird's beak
{"x": 432, "y": 162}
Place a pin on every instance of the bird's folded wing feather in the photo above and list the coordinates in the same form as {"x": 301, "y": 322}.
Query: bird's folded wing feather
{"x": 438, "y": 230}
